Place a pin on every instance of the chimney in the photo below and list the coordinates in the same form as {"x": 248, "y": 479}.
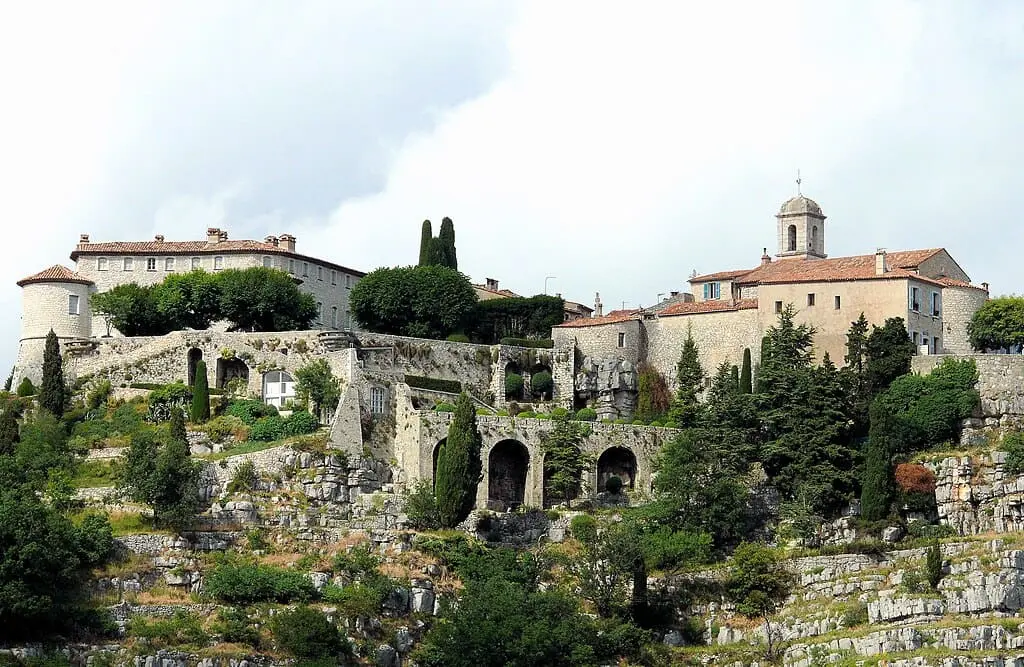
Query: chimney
{"x": 765, "y": 257}
{"x": 212, "y": 235}
{"x": 674, "y": 293}
{"x": 558, "y": 294}
{"x": 287, "y": 241}
{"x": 880, "y": 266}
{"x": 272, "y": 240}
{"x": 984, "y": 286}
{"x": 83, "y": 238}
{"x": 223, "y": 235}
{"x": 598, "y": 306}
{"x": 159, "y": 238}
{"x": 492, "y": 284}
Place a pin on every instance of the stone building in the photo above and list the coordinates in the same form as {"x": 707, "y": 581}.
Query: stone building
{"x": 59, "y": 297}
{"x": 731, "y": 310}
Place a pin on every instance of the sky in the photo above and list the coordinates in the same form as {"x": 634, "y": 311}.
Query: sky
{"x": 600, "y": 147}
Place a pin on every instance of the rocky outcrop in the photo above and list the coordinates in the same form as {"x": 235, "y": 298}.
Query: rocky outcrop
{"x": 975, "y": 495}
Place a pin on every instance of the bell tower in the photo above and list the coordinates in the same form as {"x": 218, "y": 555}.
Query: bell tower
{"x": 801, "y": 228}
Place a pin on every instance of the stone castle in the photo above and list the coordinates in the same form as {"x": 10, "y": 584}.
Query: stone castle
{"x": 390, "y": 384}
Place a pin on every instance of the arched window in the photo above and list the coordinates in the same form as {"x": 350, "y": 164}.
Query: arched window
{"x": 792, "y": 238}
{"x": 814, "y": 236}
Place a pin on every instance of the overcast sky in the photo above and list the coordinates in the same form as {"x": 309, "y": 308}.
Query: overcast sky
{"x": 615, "y": 146}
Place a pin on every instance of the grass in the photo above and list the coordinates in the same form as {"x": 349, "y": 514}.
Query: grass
{"x": 96, "y": 473}
{"x": 131, "y": 523}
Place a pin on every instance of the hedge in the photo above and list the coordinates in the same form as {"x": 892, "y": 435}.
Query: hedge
{"x": 546, "y": 343}
{"x": 434, "y": 384}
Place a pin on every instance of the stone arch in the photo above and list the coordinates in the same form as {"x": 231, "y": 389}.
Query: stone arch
{"x": 791, "y": 233}
{"x": 814, "y": 237}
{"x": 619, "y": 462}
{"x": 230, "y": 369}
{"x": 552, "y": 498}
{"x": 512, "y": 367}
{"x": 434, "y": 456}
{"x": 534, "y": 370}
{"x": 278, "y": 388}
{"x": 195, "y": 355}
{"x": 507, "y": 466}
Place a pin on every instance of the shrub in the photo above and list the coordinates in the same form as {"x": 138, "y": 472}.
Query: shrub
{"x": 856, "y": 615}
{"x": 614, "y": 484}
{"x": 559, "y": 413}
{"x": 639, "y": 422}
{"x": 182, "y": 628}
{"x": 435, "y": 384}
{"x": 300, "y": 422}
{"x": 526, "y": 414}
{"x": 483, "y": 412}
{"x": 249, "y": 410}
{"x": 444, "y": 407}
{"x": 306, "y": 633}
{"x": 234, "y": 627}
{"x": 224, "y": 427}
{"x": 358, "y": 561}
{"x": 619, "y": 421}
{"x": 586, "y": 415}
{"x": 162, "y": 401}
{"x": 584, "y": 528}
{"x": 543, "y": 343}
{"x": 98, "y": 395}
{"x": 1013, "y": 445}
{"x": 126, "y": 420}
{"x": 920, "y": 529}
{"x": 458, "y": 338}
{"x": 671, "y": 424}
{"x": 933, "y": 565}
{"x": 245, "y": 477}
{"x": 267, "y": 429}
{"x": 513, "y": 385}
{"x": 26, "y": 388}
{"x": 915, "y": 478}
{"x": 421, "y": 507}
{"x": 542, "y": 384}
{"x": 656, "y": 423}
{"x": 244, "y": 583}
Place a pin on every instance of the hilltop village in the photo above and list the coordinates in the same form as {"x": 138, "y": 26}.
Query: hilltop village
{"x": 262, "y": 457}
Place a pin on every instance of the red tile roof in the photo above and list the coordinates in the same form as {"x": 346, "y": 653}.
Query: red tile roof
{"x": 55, "y": 274}
{"x": 613, "y": 317}
{"x": 953, "y": 282}
{"x": 196, "y": 248}
{"x": 712, "y": 306}
{"x": 721, "y": 275}
{"x": 499, "y": 292}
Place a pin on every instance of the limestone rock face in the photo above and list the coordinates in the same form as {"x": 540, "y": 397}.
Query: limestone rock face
{"x": 423, "y": 596}
{"x": 611, "y": 383}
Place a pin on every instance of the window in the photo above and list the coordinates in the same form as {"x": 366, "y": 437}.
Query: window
{"x": 622, "y": 340}
{"x": 319, "y": 311}
{"x": 334, "y": 317}
{"x": 915, "y": 299}
{"x": 129, "y": 263}
{"x": 305, "y": 268}
{"x": 839, "y": 302}
{"x": 792, "y": 238}
{"x": 197, "y": 263}
{"x": 810, "y": 299}
{"x": 151, "y": 263}
{"x": 101, "y": 264}
{"x": 924, "y": 342}
{"x": 278, "y": 388}
{"x": 814, "y": 237}
{"x": 348, "y": 282}
{"x": 334, "y": 277}
{"x": 377, "y": 400}
{"x": 169, "y": 264}
{"x": 218, "y": 263}
{"x": 936, "y": 304}
{"x": 778, "y": 307}
{"x": 936, "y": 348}
{"x": 913, "y": 337}
{"x": 712, "y": 291}
{"x": 291, "y": 266}
{"x": 72, "y": 304}
{"x": 319, "y": 273}
{"x": 267, "y": 262}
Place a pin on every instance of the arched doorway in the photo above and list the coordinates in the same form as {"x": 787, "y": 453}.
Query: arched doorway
{"x": 195, "y": 355}
{"x": 437, "y": 453}
{"x": 558, "y": 488}
{"x": 513, "y": 381}
{"x": 616, "y": 462}
{"x": 231, "y": 369}
{"x": 507, "y": 465}
{"x": 278, "y": 388}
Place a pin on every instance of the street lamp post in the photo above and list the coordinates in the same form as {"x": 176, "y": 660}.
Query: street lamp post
{"x": 546, "y": 279}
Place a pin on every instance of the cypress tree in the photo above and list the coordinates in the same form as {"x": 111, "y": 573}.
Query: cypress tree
{"x": 446, "y": 239}
{"x": 734, "y": 376}
{"x": 10, "y": 380}
{"x": 53, "y": 392}
{"x": 458, "y": 465}
{"x": 200, "y": 395}
{"x": 933, "y": 564}
{"x": 9, "y": 436}
{"x": 877, "y": 489}
{"x": 426, "y": 238}
{"x": 746, "y": 376}
{"x": 178, "y": 433}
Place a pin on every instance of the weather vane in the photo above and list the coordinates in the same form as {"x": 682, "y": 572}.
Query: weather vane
{"x": 798, "y": 181}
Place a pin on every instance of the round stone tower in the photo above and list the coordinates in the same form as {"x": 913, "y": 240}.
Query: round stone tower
{"x": 58, "y": 299}
{"x": 960, "y": 300}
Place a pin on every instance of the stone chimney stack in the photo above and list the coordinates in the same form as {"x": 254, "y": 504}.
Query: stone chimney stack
{"x": 765, "y": 257}
{"x": 492, "y": 284}
{"x": 223, "y": 235}
{"x": 272, "y": 240}
{"x": 984, "y": 286}
{"x": 212, "y": 235}
{"x": 83, "y": 238}
{"x": 159, "y": 238}
{"x": 880, "y": 265}
{"x": 287, "y": 242}
{"x": 598, "y": 306}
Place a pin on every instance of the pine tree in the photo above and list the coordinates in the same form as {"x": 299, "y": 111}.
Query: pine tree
{"x": 734, "y": 376}
{"x": 877, "y": 488}
{"x": 746, "y": 376}
{"x": 888, "y": 353}
{"x": 53, "y": 392}
{"x": 426, "y": 238}
{"x": 690, "y": 382}
{"x": 175, "y": 485}
{"x": 458, "y": 465}
{"x": 446, "y": 240}
{"x": 200, "y": 395}
{"x": 9, "y": 436}
{"x": 855, "y": 373}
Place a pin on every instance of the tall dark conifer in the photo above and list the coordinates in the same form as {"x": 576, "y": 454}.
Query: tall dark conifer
{"x": 458, "y": 465}
{"x": 426, "y": 238}
{"x": 878, "y": 487}
{"x": 53, "y": 392}
{"x": 200, "y": 411}
{"x": 9, "y": 436}
{"x": 746, "y": 374}
{"x": 446, "y": 243}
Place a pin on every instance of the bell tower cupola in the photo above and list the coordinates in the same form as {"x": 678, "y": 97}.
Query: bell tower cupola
{"x": 801, "y": 227}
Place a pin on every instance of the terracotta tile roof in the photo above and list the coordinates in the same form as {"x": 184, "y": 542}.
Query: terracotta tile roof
{"x": 196, "y": 248}
{"x": 712, "y": 306}
{"x": 953, "y": 282}
{"x": 839, "y": 269}
{"x": 721, "y": 275}
{"x": 499, "y": 292}
{"x": 613, "y": 317}
{"x": 55, "y": 274}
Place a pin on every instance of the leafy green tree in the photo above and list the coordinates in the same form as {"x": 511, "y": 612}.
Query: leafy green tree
{"x": 653, "y": 394}
{"x": 888, "y": 354}
{"x": 426, "y": 238}
{"x": 189, "y": 300}
{"x": 9, "y": 435}
{"x": 746, "y": 374}
{"x": 316, "y": 384}
{"x": 26, "y": 388}
{"x": 200, "y": 395}
{"x": 758, "y": 584}
{"x": 264, "y": 299}
{"x": 177, "y": 420}
{"x": 997, "y": 324}
{"x": 516, "y": 317}
{"x": 424, "y": 301}
{"x": 564, "y": 459}
{"x": 53, "y": 393}
{"x": 689, "y": 384}
{"x": 458, "y": 465}
{"x": 131, "y": 310}
{"x": 306, "y": 633}
{"x": 42, "y": 447}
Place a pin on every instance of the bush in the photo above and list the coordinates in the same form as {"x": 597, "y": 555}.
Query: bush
{"x": 559, "y": 413}
{"x": 421, "y": 507}
{"x": 444, "y": 407}
{"x": 1013, "y": 445}
{"x": 300, "y": 422}
{"x": 655, "y": 423}
{"x": 26, "y": 388}
{"x": 483, "y": 412}
{"x": 224, "y": 427}
{"x": 245, "y": 477}
{"x": 249, "y": 410}
{"x": 584, "y": 528}
{"x": 434, "y": 384}
{"x": 526, "y": 414}
{"x": 513, "y": 385}
{"x": 234, "y": 627}
{"x": 915, "y": 478}
{"x": 586, "y": 415}
{"x": 619, "y": 421}
{"x": 182, "y": 628}
{"x": 542, "y": 384}
{"x": 98, "y": 395}
{"x": 639, "y": 422}
{"x": 543, "y": 343}
{"x": 243, "y": 583}
{"x": 358, "y": 561}
{"x": 162, "y": 401}
{"x": 306, "y": 633}
{"x": 267, "y": 429}
{"x": 614, "y": 484}
{"x": 458, "y": 338}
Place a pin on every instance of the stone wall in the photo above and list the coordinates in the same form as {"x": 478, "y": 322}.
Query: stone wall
{"x": 720, "y": 336}
{"x": 602, "y": 341}
{"x": 958, "y": 307}
{"x": 1000, "y": 382}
